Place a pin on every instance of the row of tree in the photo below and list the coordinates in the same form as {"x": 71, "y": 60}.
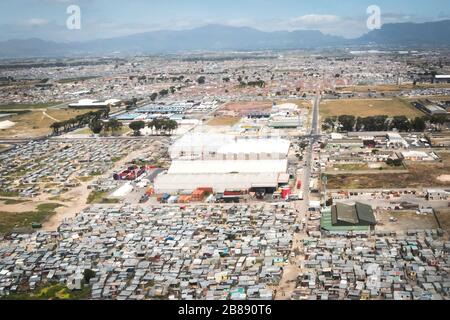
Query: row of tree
{"x": 258, "y": 83}
{"x": 113, "y": 125}
{"x": 160, "y": 126}
{"x": 349, "y": 123}
{"x": 80, "y": 121}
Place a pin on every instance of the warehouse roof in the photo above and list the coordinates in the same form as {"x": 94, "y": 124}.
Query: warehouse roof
{"x": 358, "y": 214}
{"x": 226, "y": 144}
{"x": 219, "y": 182}
{"x": 228, "y": 166}
{"x": 256, "y": 146}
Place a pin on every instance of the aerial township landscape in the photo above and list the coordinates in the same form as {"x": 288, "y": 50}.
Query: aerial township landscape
{"x": 286, "y": 176}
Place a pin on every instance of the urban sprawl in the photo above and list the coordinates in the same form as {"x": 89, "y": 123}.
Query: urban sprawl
{"x": 268, "y": 175}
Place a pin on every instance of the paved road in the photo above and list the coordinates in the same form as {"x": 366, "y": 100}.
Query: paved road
{"x": 292, "y": 270}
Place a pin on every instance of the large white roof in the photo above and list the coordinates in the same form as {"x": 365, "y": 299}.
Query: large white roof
{"x": 228, "y": 166}
{"x": 227, "y": 144}
{"x": 219, "y": 182}
{"x": 248, "y": 146}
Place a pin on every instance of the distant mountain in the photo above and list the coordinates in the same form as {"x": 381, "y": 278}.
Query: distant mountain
{"x": 32, "y": 48}
{"x": 211, "y": 38}
{"x": 223, "y": 38}
{"x": 410, "y": 34}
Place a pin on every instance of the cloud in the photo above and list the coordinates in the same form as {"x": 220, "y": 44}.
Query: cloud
{"x": 36, "y": 22}
{"x": 316, "y": 19}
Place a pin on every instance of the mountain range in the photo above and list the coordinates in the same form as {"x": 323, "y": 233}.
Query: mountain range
{"x": 224, "y": 38}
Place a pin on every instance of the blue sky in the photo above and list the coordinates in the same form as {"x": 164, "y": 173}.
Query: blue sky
{"x": 109, "y": 18}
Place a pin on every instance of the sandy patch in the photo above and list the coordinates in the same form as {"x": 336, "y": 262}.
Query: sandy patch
{"x": 6, "y": 124}
{"x": 444, "y": 178}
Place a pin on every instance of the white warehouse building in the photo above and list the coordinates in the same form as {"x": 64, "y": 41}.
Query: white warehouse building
{"x": 226, "y": 147}
{"x": 224, "y": 162}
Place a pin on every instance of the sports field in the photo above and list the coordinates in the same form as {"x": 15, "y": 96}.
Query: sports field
{"x": 368, "y": 107}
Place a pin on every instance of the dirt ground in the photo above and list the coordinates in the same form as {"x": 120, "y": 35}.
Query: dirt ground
{"x": 244, "y": 107}
{"x": 444, "y": 218}
{"x": 419, "y": 175}
{"x": 393, "y": 87}
{"x": 407, "y": 220}
{"x": 223, "y": 121}
{"x": 368, "y": 107}
{"x": 79, "y": 195}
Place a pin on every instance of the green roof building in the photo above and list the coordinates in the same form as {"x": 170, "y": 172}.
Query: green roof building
{"x": 343, "y": 218}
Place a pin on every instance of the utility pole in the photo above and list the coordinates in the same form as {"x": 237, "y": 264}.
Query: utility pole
{"x": 324, "y": 182}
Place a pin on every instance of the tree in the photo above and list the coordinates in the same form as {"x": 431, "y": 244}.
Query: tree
{"x": 114, "y": 125}
{"x": 439, "y": 120}
{"x": 136, "y": 126}
{"x": 56, "y": 126}
{"x": 329, "y": 123}
{"x": 88, "y": 274}
{"x": 153, "y": 96}
{"x": 359, "y": 124}
{"x": 401, "y": 123}
{"x": 418, "y": 124}
{"x": 106, "y": 112}
{"x": 172, "y": 125}
{"x": 380, "y": 123}
{"x": 394, "y": 162}
{"x": 96, "y": 126}
{"x": 164, "y": 92}
{"x": 201, "y": 80}
{"x": 347, "y": 122}
{"x": 151, "y": 125}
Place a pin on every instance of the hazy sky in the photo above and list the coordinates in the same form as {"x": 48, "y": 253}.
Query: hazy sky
{"x": 46, "y": 19}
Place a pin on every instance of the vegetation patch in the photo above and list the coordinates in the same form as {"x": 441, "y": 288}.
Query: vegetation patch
{"x": 23, "y": 221}
{"x": 53, "y": 291}
{"x": 100, "y": 197}
{"x": 13, "y": 201}
{"x": 16, "y": 106}
{"x": 419, "y": 175}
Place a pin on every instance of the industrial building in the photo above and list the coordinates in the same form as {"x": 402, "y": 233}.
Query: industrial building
{"x": 442, "y": 78}
{"x": 93, "y": 104}
{"x": 343, "y": 218}
{"x": 285, "y": 116}
{"x": 223, "y": 162}
{"x": 201, "y": 146}
{"x": 352, "y": 215}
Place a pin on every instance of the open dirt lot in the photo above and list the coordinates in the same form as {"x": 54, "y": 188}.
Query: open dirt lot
{"x": 223, "y": 121}
{"x": 244, "y": 107}
{"x": 406, "y": 220}
{"x": 393, "y": 87}
{"x": 419, "y": 175}
{"x": 444, "y": 218}
{"x": 368, "y": 107}
{"x": 37, "y": 122}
